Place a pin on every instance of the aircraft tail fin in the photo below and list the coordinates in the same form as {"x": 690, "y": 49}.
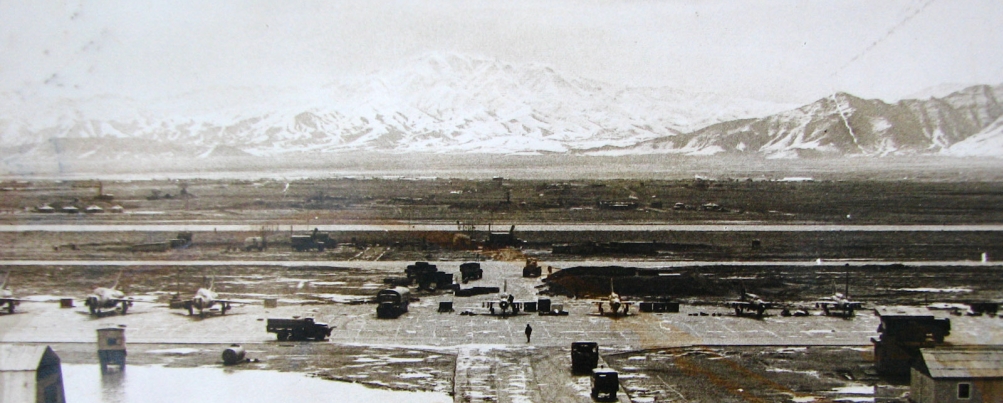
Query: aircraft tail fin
{"x": 117, "y": 278}
{"x": 846, "y": 289}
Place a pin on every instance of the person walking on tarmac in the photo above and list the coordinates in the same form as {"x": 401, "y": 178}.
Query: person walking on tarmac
{"x": 529, "y": 332}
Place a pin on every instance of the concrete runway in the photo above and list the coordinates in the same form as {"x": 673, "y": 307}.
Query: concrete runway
{"x": 494, "y": 362}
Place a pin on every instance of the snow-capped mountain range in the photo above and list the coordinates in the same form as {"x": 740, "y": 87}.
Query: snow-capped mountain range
{"x": 966, "y": 122}
{"x": 460, "y": 104}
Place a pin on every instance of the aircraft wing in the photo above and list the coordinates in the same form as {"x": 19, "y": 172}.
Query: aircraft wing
{"x": 126, "y": 299}
{"x": 15, "y": 300}
{"x": 831, "y": 304}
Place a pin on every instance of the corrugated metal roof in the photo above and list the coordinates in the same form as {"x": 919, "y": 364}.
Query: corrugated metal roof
{"x": 20, "y": 358}
{"x": 967, "y": 363}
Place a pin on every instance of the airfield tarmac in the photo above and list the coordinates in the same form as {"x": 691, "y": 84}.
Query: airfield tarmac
{"x": 473, "y": 357}
{"x": 480, "y": 358}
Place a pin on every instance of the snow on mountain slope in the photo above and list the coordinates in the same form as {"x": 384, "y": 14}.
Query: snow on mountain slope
{"x": 439, "y": 103}
{"x": 842, "y": 124}
{"x": 987, "y": 143}
{"x": 450, "y": 103}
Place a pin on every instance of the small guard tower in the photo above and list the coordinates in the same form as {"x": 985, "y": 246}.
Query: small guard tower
{"x": 111, "y": 348}
{"x": 904, "y": 331}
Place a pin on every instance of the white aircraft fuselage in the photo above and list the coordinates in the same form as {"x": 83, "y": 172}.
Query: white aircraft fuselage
{"x": 206, "y": 298}
{"x": 107, "y": 298}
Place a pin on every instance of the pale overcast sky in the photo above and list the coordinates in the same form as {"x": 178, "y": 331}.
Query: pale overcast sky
{"x": 788, "y": 51}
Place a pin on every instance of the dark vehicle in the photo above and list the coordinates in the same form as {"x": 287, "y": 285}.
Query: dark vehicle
{"x": 316, "y": 240}
{"x": 298, "y": 329}
{"x": 183, "y": 240}
{"x": 420, "y": 269}
{"x": 605, "y": 382}
{"x": 258, "y": 243}
{"x": 429, "y": 277}
{"x": 532, "y": 268}
{"x": 392, "y": 302}
{"x": 472, "y": 291}
{"x": 471, "y": 271}
{"x": 584, "y": 356}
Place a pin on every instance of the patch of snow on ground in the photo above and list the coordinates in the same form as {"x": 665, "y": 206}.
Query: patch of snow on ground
{"x": 813, "y": 374}
{"x": 404, "y": 360}
{"x": 854, "y": 390}
{"x": 174, "y": 351}
{"x": 41, "y": 298}
{"x": 409, "y": 375}
{"x": 322, "y": 283}
{"x": 928, "y": 289}
{"x": 344, "y": 299}
{"x": 818, "y": 331}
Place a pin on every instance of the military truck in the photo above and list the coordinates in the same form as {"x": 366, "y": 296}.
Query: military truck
{"x": 298, "y": 329}
{"x": 584, "y": 356}
{"x": 605, "y": 383}
{"x": 181, "y": 241}
{"x": 392, "y": 302}
{"x": 532, "y": 268}
{"x": 316, "y": 240}
{"x": 420, "y": 269}
{"x": 471, "y": 271}
{"x": 429, "y": 277}
{"x": 258, "y": 243}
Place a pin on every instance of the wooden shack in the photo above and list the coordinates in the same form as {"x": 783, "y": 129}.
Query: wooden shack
{"x": 970, "y": 375}
{"x": 30, "y": 374}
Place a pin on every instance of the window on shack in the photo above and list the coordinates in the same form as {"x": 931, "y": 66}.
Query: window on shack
{"x": 964, "y": 391}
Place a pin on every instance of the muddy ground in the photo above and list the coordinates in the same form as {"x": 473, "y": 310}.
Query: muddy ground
{"x": 778, "y": 268}
{"x": 752, "y": 374}
{"x": 509, "y": 201}
{"x": 509, "y": 371}
{"x": 904, "y": 246}
{"x": 382, "y": 367}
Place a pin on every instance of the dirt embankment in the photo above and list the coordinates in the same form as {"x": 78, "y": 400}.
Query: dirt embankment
{"x": 879, "y": 284}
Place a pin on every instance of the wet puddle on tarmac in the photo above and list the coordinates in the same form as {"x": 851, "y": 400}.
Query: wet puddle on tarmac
{"x": 85, "y": 383}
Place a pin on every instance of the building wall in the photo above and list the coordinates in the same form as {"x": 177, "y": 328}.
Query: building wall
{"x": 983, "y": 391}
{"x": 921, "y": 387}
{"x": 17, "y": 386}
{"x": 50, "y": 384}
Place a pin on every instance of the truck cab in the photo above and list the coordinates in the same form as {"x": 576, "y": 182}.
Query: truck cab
{"x": 605, "y": 383}
{"x": 584, "y": 356}
{"x": 392, "y": 302}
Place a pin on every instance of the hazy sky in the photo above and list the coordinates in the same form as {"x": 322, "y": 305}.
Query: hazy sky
{"x": 790, "y": 51}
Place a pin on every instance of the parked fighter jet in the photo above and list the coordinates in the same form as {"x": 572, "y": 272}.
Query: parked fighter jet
{"x": 108, "y": 298}
{"x": 7, "y": 296}
{"x": 205, "y": 298}
{"x": 614, "y": 301}
{"x": 506, "y": 303}
{"x": 749, "y": 302}
{"x": 839, "y": 304}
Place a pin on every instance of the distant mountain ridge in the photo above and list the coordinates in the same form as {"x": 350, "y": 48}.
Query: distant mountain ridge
{"x": 460, "y": 104}
{"x": 847, "y": 125}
